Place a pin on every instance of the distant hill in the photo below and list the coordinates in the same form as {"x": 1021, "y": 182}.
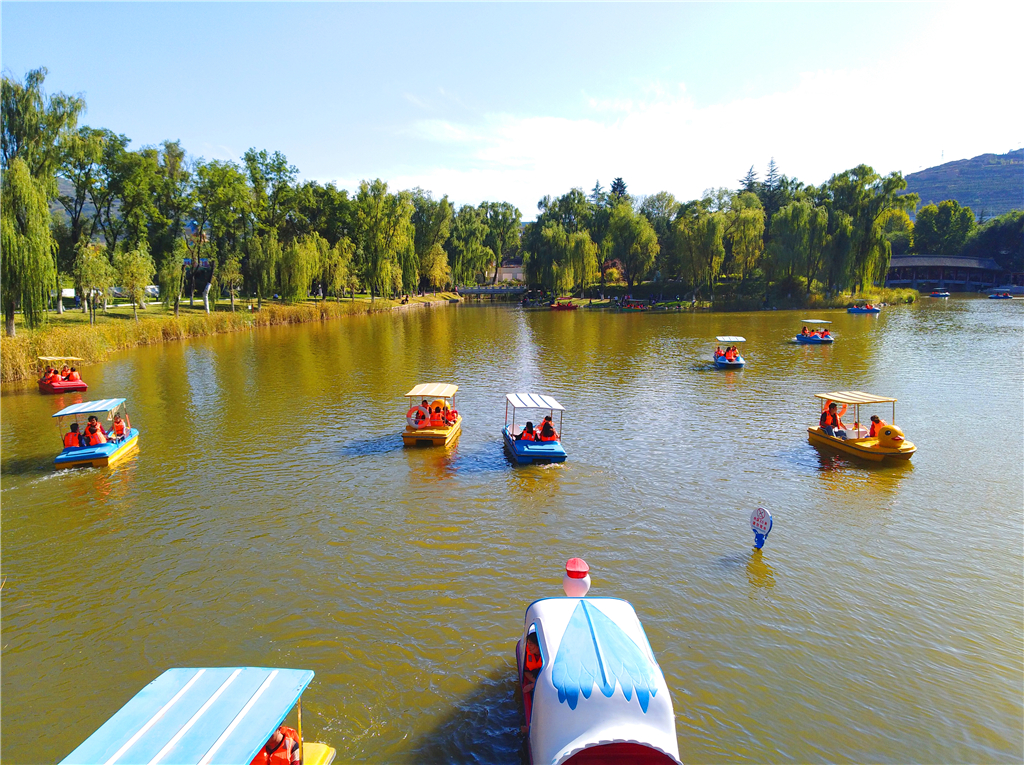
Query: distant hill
{"x": 991, "y": 184}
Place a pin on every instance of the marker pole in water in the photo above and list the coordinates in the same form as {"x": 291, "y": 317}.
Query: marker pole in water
{"x": 761, "y": 524}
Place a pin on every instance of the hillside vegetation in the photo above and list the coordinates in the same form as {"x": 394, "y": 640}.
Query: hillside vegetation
{"x": 990, "y": 184}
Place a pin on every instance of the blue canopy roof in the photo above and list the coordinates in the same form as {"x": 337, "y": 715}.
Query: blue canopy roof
{"x": 197, "y": 716}
{"x": 91, "y": 407}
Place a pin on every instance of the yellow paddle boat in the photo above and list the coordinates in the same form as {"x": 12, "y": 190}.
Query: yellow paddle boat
{"x": 883, "y": 440}
{"x": 432, "y": 419}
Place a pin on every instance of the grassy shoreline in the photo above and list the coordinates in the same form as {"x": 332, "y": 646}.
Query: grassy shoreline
{"x": 71, "y": 335}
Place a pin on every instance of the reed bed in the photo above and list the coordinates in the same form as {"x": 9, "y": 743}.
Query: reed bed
{"x": 94, "y": 343}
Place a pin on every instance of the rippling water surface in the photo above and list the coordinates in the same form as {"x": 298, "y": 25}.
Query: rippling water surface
{"x": 272, "y": 517}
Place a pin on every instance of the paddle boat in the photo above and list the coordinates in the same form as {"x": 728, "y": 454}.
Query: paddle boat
{"x": 939, "y": 294}
{"x": 58, "y": 385}
{"x": 100, "y": 455}
{"x": 564, "y": 304}
{"x": 208, "y": 716}
{"x": 864, "y": 308}
{"x": 723, "y": 362}
{"x": 1003, "y": 296}
{"x": 529, "y": 452}
{"x": 633, "y": 306}
{"x": 597, "y": 694}
{"x": 815, "y": 337}
{"x": 437, "y": 423}
{"x": 888, "y": 442}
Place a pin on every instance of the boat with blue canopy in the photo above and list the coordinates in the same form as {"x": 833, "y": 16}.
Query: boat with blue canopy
{"x": 815, "y": 336}
{"x": 203, "y": 716}
{"x": 592, "y": 689}
{"x": 541, "y": 449}
{"x": 730, "y": 358}
{"x": 115, "y": 445}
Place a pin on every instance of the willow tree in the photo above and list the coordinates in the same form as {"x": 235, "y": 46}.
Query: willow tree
{"x": 632, "y": 241}
{"x": 300, "y": 263}
{"x": 745, "y": 232}
{"x": 231, "y": 276}
{"x": 385, "y": 233}
{"x": 172, "y": 275}
{"x": 432, "y": 220}
{"x": 93, "y": 274}
{"x": 264, "y": 254}
{"x": 581, "y": 258}
{"x": 336, "y": 273}
{"x": 135, "y": 270}
{"x": 503, "y": 227}
{"x": 28, "y": 264}
{"x": 468, "y": 254}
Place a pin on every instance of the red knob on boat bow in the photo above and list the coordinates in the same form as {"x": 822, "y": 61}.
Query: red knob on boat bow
{"x": 576, "y": 568}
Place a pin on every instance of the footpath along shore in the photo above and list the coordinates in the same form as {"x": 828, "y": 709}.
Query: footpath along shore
{"x": 72, "y": 335}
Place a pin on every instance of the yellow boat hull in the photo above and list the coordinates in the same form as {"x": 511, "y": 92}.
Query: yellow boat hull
{"x": 317, "y": 754}
{"x": 432, "y": 436}
{"x": 116, "y": 456}
{"x": 865, "y": 448}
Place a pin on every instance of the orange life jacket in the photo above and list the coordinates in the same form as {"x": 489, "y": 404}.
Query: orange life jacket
{"x": 52, "y": 377}
{"x": 436, "y": 419}
{"x": 71, "y": 439}
{"x": 287, "y": 752}
{"x": 730, "y": 355}
{"x": 552, "y": 437}
{"x": 829, "y": 420}
{"x": 97, "y": 438}
{"x": 119, "y": 428}
{"x": 524, "y": 436}
{"x": 533, "y": 660}
{"x": 875, "y": 427}
{"x": 74, "y": 377}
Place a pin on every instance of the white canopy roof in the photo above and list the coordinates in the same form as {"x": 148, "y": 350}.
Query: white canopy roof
{"x": 533, "y": 401}
{"x": 91, "y": 407}
{"x": 854, "y": 397}
{"x": 815, "y": 321}
{"x": 731, "y": 339}
{"x": 59, "y": 358}
{"x": 599, "y": 683}
{"x": 431, "y": 390}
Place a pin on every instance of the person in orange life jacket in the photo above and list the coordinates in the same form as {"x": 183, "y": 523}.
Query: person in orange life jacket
{"x": 120, "y": 427}
{"x": 547, "y": 430}
{"x": 72, "y": 439}
{"x": 282, "y": 748}
{"x": 64, "y": 372}
{"x": 804, "y": 332}
{"x": 450, "y": 416}
{"x": 420, "y": 415}
{"x": 730, "y": 354}
{"x": 532, "y": 662}
{"x": 94, "y": 433}
{"x": 73, "y": 376}
{"x": 436, "y": 418}
{"x": 876, "y": 425}
{"x": 528, "y": 433}
{"x": 718, "y": 352}
{"x": 832, "y": 423}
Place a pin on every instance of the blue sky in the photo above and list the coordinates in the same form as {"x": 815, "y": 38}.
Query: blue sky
{"x": 514, "y": 101}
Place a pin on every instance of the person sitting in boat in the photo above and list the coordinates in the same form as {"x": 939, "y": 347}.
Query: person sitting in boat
{"x": 730, "y": 353}
{"x": 120, "y": 427}
{"x": 282, "y": 748}
{"x": 436, "y": 417}
{"x": 804, "y": 332}
{"x": 64, "y": 372}
{"x": 718, "y": 352}
{"x": 72, "y": 439}
{"x": 532, "y": 662}
{"x": 877, "y": 423}
{"x": 825, "y": 333}
{"x": 94, "y": 434}
{"x": 73, "y": 375}
{"x": 51, "y": 375}
{"x": 528, "y": 433}
{"x": 450, "y": 415}
{"x": 46, "y": 374}
{"x": 547, "y": 430}
{"x": 832, "y": 423}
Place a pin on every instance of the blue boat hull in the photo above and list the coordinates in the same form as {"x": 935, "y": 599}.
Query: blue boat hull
{"x": 721, "y": 363}
{"x": 814, "y": 340}
{"x": 97, "y": 456}
{"x": 529, "y": 452}
{"x": 863, "y": 310}
{"x": 1000, "y": 297}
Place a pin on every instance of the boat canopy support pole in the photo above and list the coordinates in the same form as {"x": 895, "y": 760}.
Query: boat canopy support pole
{"x": 298, "y": 724}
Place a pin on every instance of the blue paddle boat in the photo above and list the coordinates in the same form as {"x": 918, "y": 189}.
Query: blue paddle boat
{"x": 213, "y": 716}
{"x": 1001, "y": 296}
{"x": 815, "y": 336}
{"x": 117, "y": 442}
{"x": 525, "y": 448}
{"x": 592, "y": 689}
{"x": 939, "y": 294}
{"x": 864, "y": 308}
{"x": 729, "y": 360}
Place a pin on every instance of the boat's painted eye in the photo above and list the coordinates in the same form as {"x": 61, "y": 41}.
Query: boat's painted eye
{"x": 888, "y": 432}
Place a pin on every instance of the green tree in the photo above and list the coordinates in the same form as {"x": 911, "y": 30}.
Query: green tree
{"x": 503, "y": 228}
{"x": 898, "y": 230}
{"x": 337, "y": 272}
{"x": 231, "y": 276}
{"x": 264, "y": 255}
{"x": 80, "y": 160}
{"x": 618, "y": 189}
{"x": 1001, "y": 238}
{"x": 745, "y": 231}
{"x": 135, "y": 270}
{"x": 632, "y": 241}
{"x": 385, "y": 234}
{"x": 171, "y": 190}
{"x": 432, "y": 221}
{"x": 468, "y": 256}
{"x": 271, "y": 181}
{"x": 93, "y": 274}
{"x": 172, "y": 275}
{"x": 944, "y": 228}
{"x": 28, "y": 264}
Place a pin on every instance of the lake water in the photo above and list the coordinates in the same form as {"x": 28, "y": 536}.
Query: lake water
{"x": 272, "y": 517}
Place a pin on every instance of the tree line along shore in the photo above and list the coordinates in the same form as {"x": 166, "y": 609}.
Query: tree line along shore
{"x": 82, "y": 211}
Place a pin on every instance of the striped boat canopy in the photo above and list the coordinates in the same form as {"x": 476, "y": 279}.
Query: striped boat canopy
{"x": 814, "y": 321}
{"x": 731, "y": 339}
{"x": 92, "y": 407}
{"x": 58, "y": 358}
{"x": 854, "y": 397}
{"x": 533, "y": 401}
{"x": 218, "y": 715}
{"x": 429, "y": 390}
